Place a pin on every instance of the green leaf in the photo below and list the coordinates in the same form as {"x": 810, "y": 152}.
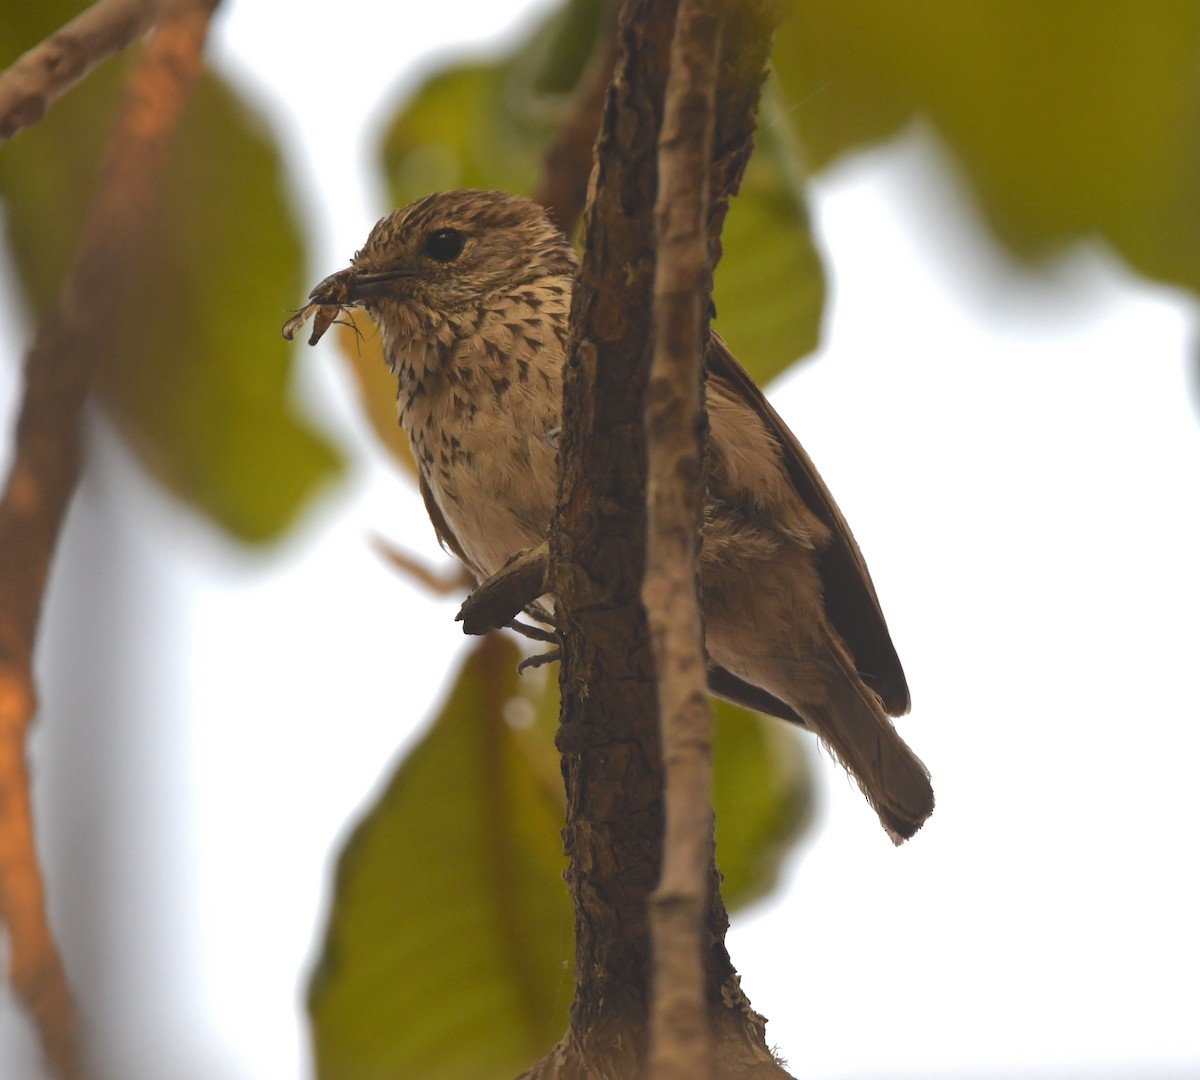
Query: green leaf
{"x": 446, "y": 950}
{"x": 769, "y": 287}
{"x": 486, "y": 124}
{"x": 198, "y": 381}
{"x": 1071, "y": 119}
{"x": 762, "y": 798}
{"x": 48, "y": 171}
{"x": 834, "y": 99}
{"x": 562, "y": 46}
{"x": 461, "y": 131}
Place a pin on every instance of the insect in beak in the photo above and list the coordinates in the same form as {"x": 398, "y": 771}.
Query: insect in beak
{"x": 337, "y": 293}
{"x": 328, "y": 300}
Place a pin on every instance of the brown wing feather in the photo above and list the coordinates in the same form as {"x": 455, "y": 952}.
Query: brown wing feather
{"x": 724, "y": 684}
{"x": 445, "y": 534}
{"x": 850, "y": 600}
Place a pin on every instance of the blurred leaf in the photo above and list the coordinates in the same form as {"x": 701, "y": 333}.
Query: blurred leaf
{"x": 1072, "y": 118}
{"x": 464, "y": 129}
{"x": 48, "y": 171}
{"x": 568, "y": 39}
{"x": 762, "y": 797}
{"x": 446, "y": 949}
{"x": 362, "y": 350}
{"x": 199, "y": 374}
{"x": 486, "y": 124}
{"x": 769, "y": 287}
{"x": 835, "y": 99}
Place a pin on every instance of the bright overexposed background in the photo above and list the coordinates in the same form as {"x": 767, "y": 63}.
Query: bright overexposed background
{"x": 1020, "y": 460}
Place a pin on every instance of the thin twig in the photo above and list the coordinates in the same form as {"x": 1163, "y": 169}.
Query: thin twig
{"x": 70, "y": 346}
{"x": 47, "y": 71}
{"x": 680, "y": 1037}
{"x": 450, "y": 582}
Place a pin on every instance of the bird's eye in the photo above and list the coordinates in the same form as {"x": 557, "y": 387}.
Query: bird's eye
{"x": 445, "y": 245}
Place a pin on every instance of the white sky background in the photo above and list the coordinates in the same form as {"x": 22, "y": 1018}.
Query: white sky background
{"x": 1021, "y": 464}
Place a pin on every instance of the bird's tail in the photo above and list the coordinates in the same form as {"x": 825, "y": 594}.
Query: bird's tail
{"x": 851, "y": 721}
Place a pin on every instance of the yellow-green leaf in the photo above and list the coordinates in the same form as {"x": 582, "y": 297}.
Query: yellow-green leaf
{"x": 762, "y": 797}
{"x": 1072, "y": 119}
{"x": 198, "y": 381}
{"x": 446, "y": 951}
{"x": 769, "y": 287}
{"x": 486, "y": 124}
{"x": 460, "y": 131}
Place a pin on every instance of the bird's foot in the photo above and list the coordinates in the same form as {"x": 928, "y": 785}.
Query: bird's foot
{"x": 498, "y": 600}
{"x": 539, "y": 660}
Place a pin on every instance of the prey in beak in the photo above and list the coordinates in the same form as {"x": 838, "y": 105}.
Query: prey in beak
{"x": 338, "y": 293}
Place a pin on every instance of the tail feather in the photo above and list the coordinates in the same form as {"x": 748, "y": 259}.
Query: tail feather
{"x": 853, "y": 724}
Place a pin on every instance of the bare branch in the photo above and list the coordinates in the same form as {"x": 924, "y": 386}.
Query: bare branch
{"x": 47, "y": 71}
{"x": 70, "y": 346}
{"x": 680, "y": 1036}
{"x": 609, "y": 735}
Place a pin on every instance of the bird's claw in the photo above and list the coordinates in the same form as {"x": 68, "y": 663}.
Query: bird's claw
{"x": 539, "y": 660}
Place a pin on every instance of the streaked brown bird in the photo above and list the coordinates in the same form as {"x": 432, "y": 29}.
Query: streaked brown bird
{"x": 471, "y": 291}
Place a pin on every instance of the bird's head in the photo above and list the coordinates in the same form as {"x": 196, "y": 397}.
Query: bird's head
{"x": 453, "y": 249}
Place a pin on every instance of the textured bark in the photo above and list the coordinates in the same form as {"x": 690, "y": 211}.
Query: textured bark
{"x": 609, "y": 735}
{"x": 69, "y": 348}
{"x": 681, "y": 1044}
{"x": 612, "y": 757}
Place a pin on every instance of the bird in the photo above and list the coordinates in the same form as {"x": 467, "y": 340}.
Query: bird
{"x": 471, "y": 292}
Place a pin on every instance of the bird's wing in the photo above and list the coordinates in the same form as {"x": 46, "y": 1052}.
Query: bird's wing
{"x": 850, "y": 600}
{"x": 445, "y": 534}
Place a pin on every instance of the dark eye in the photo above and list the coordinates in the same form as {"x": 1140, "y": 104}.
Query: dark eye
{"x": 445, "y": 245}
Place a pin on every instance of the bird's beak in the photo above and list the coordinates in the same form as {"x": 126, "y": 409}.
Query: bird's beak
{"x": 345, "y": 289}
{"x": 352, "y": 286}
{"x": 361, "y": 286}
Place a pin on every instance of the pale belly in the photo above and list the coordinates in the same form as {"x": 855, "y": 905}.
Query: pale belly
{"x": 497, "y": 497}
{"x": 493, "y": 526}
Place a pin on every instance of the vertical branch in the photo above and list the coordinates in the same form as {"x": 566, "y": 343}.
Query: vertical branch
{"x": 680, "y": 1037}
{"x": 609, "y": 733}
{"x": 70, "y": 346}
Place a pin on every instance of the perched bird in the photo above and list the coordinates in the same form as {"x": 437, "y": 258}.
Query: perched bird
{"x": 471, "y": 291}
